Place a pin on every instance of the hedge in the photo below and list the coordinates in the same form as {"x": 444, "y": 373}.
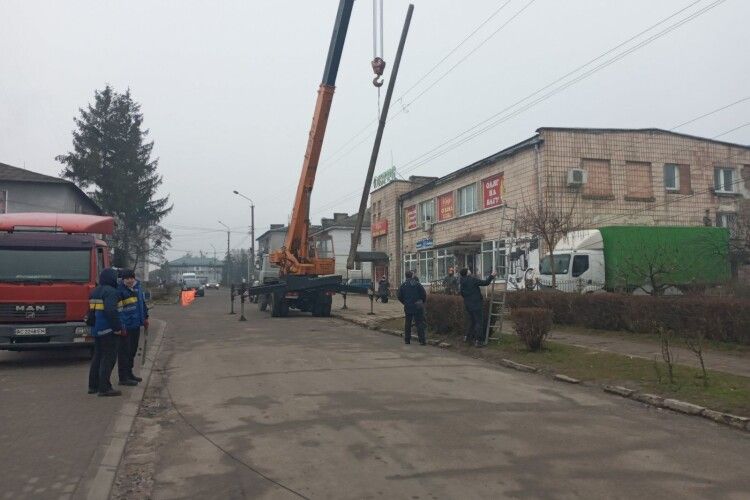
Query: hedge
{"x": 718, "y": 318}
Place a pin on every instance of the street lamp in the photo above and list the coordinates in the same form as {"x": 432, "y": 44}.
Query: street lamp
{"x": 228, "y": 259}
{"x": 251, "y": 260}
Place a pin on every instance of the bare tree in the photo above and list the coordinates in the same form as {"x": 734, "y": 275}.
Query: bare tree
{"x": 694, "y": 340}
{"x": 149, "y": 244}
{"x": 667, "y": 354}
{"x": 652, "y": 268}
{"x": 551, "y": 220}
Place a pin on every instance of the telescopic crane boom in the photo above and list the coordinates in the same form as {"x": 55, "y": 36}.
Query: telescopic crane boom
{"x": 297, "y": 257}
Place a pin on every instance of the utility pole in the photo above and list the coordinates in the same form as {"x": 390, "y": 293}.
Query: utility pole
{"x": 228, "y": 262}
{"x": 251, "y": 260}
{"x": 214, "y": 266}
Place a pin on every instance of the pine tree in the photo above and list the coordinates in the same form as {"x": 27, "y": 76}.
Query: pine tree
{"x": 111, "y": 155}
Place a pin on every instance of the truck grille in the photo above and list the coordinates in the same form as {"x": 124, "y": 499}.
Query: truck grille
{"x": 32, "y": 312}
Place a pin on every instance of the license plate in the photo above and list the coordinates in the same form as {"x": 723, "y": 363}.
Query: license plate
{"x": 31, "y": 331}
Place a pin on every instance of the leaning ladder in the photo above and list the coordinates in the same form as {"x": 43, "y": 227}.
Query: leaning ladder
{"x": 497, "y": 303}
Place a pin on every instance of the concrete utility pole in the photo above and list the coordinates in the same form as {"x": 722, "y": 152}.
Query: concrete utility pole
{"x": 229, "y": 257}
{"x": 251, "y": 260}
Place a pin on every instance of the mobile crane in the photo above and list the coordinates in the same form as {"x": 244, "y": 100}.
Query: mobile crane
{"x": 305, "y": 279}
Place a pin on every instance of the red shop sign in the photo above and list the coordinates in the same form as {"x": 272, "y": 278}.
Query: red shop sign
{"x": 410, "y": 216}
{"x": 445, "y": 207}
{"x": 379, "y": 227}
{"x": 492, "y": 191}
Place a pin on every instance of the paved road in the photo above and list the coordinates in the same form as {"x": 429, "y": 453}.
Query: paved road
{"x": 325, "y": 409}
{"x": 50, "y": 428}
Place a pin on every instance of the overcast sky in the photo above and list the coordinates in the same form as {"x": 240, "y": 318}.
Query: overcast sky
{"x": 227, "y": 88}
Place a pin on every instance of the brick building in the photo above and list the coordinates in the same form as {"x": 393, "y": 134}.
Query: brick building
{"x": 606, "y": 176}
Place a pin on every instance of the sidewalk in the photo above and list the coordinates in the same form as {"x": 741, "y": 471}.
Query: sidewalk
{"x": 737, "y": 364}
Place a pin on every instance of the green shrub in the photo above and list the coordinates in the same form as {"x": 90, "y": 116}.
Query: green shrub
{"x": 532, "y": 324}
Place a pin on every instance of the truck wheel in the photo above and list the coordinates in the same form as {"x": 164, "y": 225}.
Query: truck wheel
{"x": 263, "y": 302}
{"x": 279, "y": 306}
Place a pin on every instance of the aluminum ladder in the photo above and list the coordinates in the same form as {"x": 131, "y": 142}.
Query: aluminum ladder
{"x": 497, "y": 301}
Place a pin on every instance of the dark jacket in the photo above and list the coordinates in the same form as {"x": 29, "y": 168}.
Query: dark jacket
{"x": 471, "y": 293}
{"x": 450, "y": 284}
{"x": 383, "y": 286}
{"x": 133, "y": 312}
{"x": 411, "y": 294}
{"x": 105, "y": 304}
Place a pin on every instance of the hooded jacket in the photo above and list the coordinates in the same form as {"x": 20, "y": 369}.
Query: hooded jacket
{"x": 105, "y": 303}
{"x": 134, "y": 311}
{"x": 410, "y": 293}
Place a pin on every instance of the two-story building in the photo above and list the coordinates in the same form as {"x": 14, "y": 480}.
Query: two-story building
{"x": 339, "y": 231}
{"x": 604, "y": 176}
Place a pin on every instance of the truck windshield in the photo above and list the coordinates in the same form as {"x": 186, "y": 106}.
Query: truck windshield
{"x": 562, "y": 261}
{"x": 44, "y": 264}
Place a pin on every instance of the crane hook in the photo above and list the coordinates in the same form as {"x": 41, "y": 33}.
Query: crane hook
{"x": 378, "y": 66}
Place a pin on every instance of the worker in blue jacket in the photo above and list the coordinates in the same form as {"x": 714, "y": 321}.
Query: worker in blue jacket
{"x": 106, "y": 328}
{"x": 134, "y": 315}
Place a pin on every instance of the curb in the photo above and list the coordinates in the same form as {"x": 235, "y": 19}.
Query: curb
{"x": 676, "y": 405}
{"x": 741, "y": 423}
{"x": 99, "y": 478}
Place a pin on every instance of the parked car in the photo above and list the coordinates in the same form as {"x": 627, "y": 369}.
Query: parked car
{"x": 213, "y": 285}
{"x": 363, "y": 283}
{"x": 194, "y": 284}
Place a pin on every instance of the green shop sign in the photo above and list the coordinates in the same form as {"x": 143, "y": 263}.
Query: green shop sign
{"x": 381, "y": 180}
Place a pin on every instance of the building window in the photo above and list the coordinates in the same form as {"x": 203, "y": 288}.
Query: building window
{"x": 671, "y": 177}
{"x": 426, "y": 266}
{"x": 724, "y": 180}
{"x": 467, "y": 200}
{"x": 598, "y": 178}
{"x": 445, "y": 261}
{"x": 426, "y": 212}
{"x": 493, "y": 257}
{"x": 727, "y": 220}
{"x": 638, "y": 185}
{"x": 410, "y": 262}
{"x": 3, "y": 201}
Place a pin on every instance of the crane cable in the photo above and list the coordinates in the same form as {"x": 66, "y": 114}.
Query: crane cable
{"x": 378, "y": 64}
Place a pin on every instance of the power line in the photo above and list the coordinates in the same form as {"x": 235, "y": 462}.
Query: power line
{"x": 446, "y": 146}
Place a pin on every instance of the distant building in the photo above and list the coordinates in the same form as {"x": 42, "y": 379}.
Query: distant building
{"x": 339, "y": 231}
{"x": 208, "y": 269}
{"x": 22, "y": 190}
{"x": 271, "y": 240}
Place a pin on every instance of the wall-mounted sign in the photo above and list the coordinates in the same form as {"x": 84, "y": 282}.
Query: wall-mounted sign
{"x": 379, "y": 227}
{"x": 446, "y": 208}
{"x": 410, "y": 217}
{"x": 381, "y": 180}
{"x": 492, "y": 191}
{"x": 424, "y": 243}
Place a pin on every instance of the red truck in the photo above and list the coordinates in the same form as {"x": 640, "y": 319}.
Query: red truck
{"x": 49, "y": 263}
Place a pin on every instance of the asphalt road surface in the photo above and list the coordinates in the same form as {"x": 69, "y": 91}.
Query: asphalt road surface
{"x": 317, "y": 408}
{"x": 50, "y": 428}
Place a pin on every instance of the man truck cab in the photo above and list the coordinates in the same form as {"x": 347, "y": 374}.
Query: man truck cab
{"x": 49, "y": 264}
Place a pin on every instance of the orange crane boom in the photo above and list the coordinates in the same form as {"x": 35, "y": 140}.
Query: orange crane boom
{"x": 297, "y": 256}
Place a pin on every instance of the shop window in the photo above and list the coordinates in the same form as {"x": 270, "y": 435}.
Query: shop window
{"x": 426, "y": 266}
{"x": 580, "y": 265}
{"x": 445, "y": 261}
{"x": 724, "y": 180}
{"x": 598, "y": 178}
{"x": 493, "y": 257}
{"x": 410, "y": 263}
{"x": 638, "y": 185}
{"x": 671, "y": 177}
{"x": 467, "y": 200}
{"x": 426, "y": 212}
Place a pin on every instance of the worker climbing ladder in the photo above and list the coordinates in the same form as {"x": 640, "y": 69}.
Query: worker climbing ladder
{"x": 498, "y": 300}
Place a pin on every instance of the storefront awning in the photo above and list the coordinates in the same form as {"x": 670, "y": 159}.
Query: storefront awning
{"x": 371, "y": 257}
{"x": 459, "y": 245}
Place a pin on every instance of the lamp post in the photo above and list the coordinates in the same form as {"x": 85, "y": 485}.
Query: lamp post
{"x": 228, "y": 259}
{"x": 251, "y": 260}
{"x": 214, "y": 264}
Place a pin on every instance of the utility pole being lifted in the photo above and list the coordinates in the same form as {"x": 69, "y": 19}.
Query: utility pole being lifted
{"x": 378, "y": 139}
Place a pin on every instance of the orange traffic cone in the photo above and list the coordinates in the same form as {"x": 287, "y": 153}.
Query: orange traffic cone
{"x": 187, "y": 297}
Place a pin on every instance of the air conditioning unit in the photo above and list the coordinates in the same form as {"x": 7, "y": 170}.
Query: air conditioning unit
{"x": 576, "y": 177}
{"x": 427, "y": 225}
